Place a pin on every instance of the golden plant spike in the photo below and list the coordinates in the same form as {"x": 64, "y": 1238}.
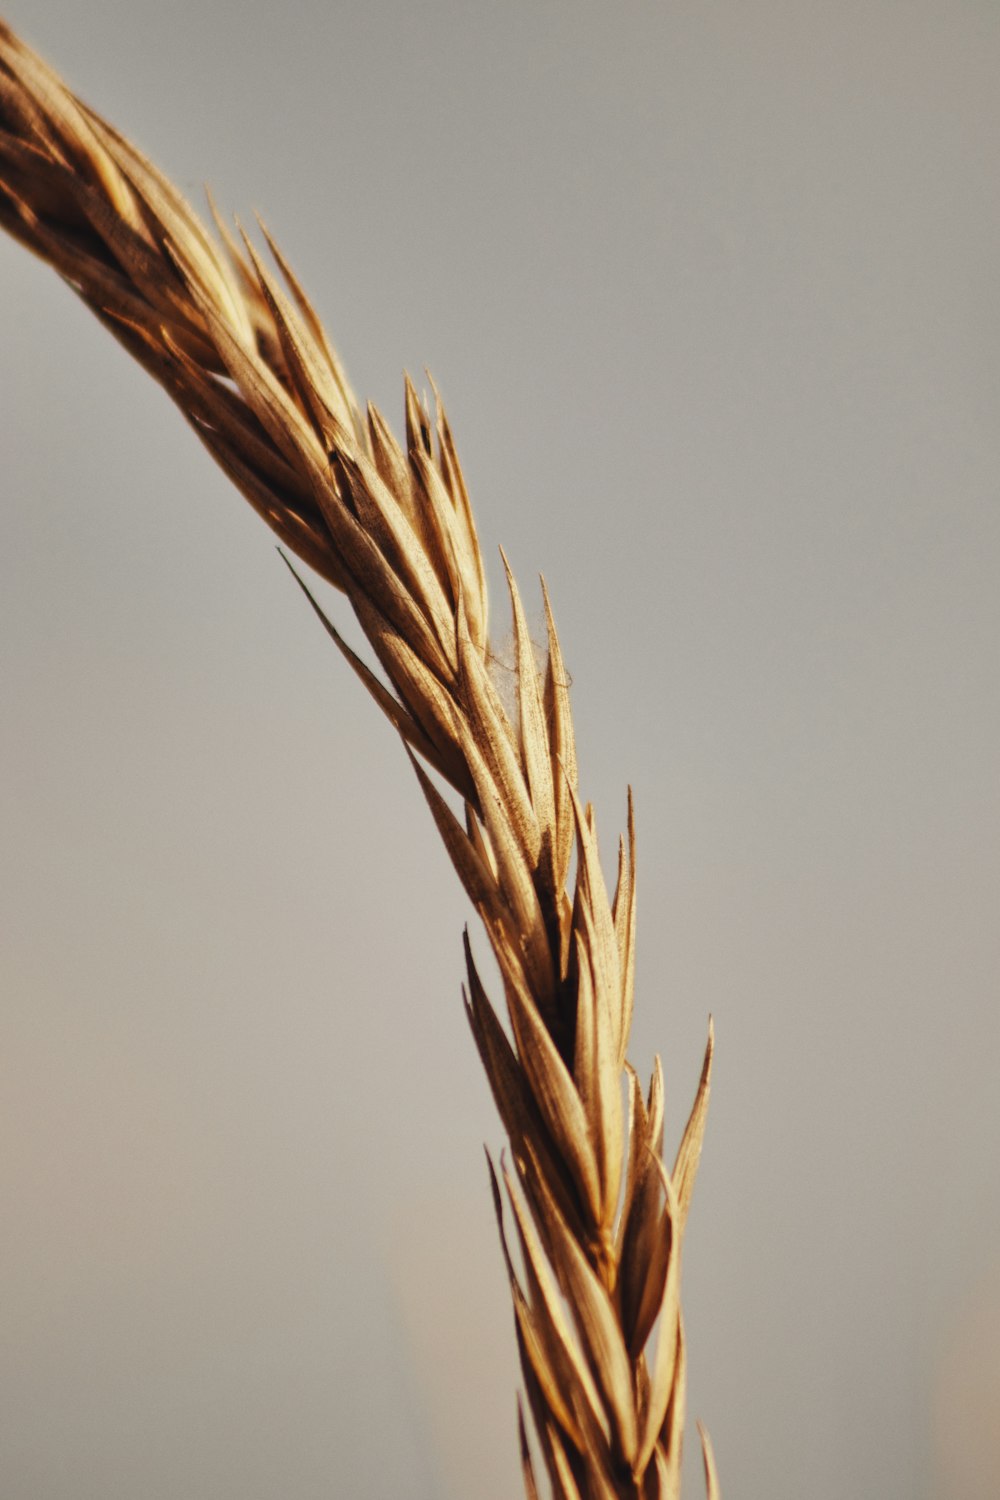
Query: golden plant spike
{"x": 598, "y": 1219}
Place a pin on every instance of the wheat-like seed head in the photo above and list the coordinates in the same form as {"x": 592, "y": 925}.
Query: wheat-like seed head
{"x": 591, "y": 1220}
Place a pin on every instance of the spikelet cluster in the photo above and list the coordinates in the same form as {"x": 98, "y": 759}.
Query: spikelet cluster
{"x": 591, "y": 1219}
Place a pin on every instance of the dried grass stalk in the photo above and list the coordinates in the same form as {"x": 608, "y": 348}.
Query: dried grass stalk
{"x": 590, "y": 1219}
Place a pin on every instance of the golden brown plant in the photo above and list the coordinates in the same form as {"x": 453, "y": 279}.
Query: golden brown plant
{"x": 590, "y": 1218}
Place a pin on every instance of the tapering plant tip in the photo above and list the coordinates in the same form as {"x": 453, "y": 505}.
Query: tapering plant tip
{"x": 689, "y": 1151}
{"x": 417, "y": 424}
{"x": 295, "y": 574}
{"x": 495, "y": 1190}
{"x": 713, "y": 1490}
{"x": 530, "y": 1488}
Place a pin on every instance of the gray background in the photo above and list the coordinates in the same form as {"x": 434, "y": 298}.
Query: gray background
{"x": 713, "y": 293}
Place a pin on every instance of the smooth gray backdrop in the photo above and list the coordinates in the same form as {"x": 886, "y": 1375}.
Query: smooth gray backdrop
{"x": 713, "y": 293}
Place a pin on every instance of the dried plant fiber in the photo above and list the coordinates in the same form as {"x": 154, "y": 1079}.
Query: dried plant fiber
{"x": 591, "y": 1219}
